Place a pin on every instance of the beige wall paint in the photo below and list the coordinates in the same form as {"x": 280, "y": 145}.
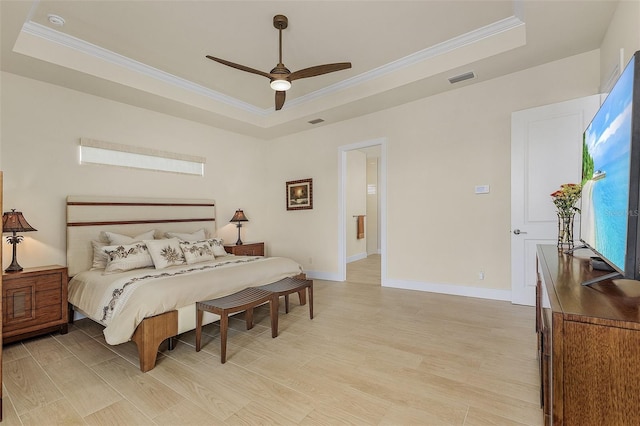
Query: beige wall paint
{"x": 438, "y": 149}
{"x": 40, "y": 132}
{"x": 623, "y": 33}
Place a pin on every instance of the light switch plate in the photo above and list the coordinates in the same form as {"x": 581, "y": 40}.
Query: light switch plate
{"x": 482, "y": 189}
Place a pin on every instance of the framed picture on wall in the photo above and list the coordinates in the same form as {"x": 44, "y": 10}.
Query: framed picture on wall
{"x": 300, "y": 194}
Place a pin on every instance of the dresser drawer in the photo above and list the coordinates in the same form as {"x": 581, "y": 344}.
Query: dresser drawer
{"x": 249, "y": 249}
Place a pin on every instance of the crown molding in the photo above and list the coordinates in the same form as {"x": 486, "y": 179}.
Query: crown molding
{"x": 447, "y": 46}
{"x": 84, "y": 47}
{"x": 71, "y": 42}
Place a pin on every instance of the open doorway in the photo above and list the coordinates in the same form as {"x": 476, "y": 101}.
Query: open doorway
{"x": 362, "y": 241}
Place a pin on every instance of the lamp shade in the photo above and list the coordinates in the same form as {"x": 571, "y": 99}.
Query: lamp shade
{"x": 239, "y": 217}
{"x": 14, "y": 221}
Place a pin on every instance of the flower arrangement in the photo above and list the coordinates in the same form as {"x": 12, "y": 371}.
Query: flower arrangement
{"x": 565, "y": 198}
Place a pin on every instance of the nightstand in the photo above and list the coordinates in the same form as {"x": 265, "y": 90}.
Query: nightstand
{"x": 246, "y": 249}
{"x": 34, "y": 302}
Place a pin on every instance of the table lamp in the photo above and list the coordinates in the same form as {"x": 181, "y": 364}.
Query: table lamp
{"x": 239, "y": 217}
{"x": 14, "y": 221}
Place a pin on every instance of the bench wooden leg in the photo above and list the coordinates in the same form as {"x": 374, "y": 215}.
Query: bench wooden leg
{"x": 286, "y": 303}
{"x": 310, "y": 290}
{"x": 273, "y": 311}
{"x": 224, "y": 327}
{"x": 199, "y": 314}
{"x": 248, "y": 317}
{"x": 303, "y": 297}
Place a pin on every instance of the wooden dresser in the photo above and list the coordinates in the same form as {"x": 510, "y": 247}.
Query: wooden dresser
{"x": 34, "y": 301}
{"x": 589, "y": 343}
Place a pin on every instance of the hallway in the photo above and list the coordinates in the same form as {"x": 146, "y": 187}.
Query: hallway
{"x": 365, "y": 271}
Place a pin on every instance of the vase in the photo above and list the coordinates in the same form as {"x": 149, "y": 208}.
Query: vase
{"x": 565, "y": 231}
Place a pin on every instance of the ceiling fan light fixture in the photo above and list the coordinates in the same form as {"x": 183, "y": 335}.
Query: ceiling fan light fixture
{"x": 280, "y": 85}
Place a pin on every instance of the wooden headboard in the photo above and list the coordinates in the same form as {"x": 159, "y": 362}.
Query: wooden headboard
{"x": 88, "y": 216}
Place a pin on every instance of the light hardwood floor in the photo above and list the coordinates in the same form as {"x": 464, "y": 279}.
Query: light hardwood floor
{"x": 371, "y": 356}
{"x": 365, "y": 271}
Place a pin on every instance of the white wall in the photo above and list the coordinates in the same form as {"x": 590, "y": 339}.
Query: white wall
{"x": 372, "y": 222}
{"x": 40, "y": 131}
{"x": 438, "y": 149}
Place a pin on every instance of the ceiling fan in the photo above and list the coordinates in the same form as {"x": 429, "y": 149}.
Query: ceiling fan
{"x": 280, "y": 76}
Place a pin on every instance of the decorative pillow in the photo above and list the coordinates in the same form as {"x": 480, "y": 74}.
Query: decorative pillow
{"x": 127, "y": 257}
{"x": 196, "y": 236}
{"x": 165, "y": 252}
{"x": 218, "y": 247}
{"x": 100, "y": 258}
{"x": 197, "y": 251}
{"x": 117, "y": 239}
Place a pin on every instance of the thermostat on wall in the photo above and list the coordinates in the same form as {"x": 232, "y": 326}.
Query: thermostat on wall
{"x": 482, "y": 189}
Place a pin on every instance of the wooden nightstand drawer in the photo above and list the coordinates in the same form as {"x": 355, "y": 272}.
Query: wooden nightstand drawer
{"x": 34, "y": 302}
{"x": 247, "y": 249}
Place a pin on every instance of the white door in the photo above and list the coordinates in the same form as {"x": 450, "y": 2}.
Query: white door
{"x": 546, "y": 151}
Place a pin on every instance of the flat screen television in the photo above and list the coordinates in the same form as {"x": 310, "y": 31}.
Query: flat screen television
{"x": 611, "y": 177}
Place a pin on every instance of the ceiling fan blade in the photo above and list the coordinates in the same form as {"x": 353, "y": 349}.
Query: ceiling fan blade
{"x": 319, "y": 70}
{"x": 240, "y": 67}
{"x": 280, "y": 96}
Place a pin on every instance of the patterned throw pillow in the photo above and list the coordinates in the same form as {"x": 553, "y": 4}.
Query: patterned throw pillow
{"x": 165, "y": 252}
{"x": 218, "y": 247}
{"x": 196, "y": 236}
{"x": 127, "y": 257}
{"x": 197, "y": 251}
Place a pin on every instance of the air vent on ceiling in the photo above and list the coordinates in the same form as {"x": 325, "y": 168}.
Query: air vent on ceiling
{"x": 316, "y": 121}
{"x": 462, "y": 77}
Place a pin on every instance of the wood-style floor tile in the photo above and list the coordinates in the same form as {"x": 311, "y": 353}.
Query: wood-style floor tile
{"x": 370, "y": 356}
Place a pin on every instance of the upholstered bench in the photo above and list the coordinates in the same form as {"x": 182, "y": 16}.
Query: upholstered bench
{"x": 244, "y": 300}
{"x": 287, "y": 286}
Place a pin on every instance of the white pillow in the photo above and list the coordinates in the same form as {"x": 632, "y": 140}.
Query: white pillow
{"x": 114, "y": 238}
{"x": 196, "y": 236}
{"x": 99, "y": 257}
{"x": 127, "y": 257}
{"x": 165, "y": 252}
{"x": 197, "y": 251}
{"x": 218, "y": 247}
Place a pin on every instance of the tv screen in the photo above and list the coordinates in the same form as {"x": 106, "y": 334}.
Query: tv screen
{"x": 610, "y": 173}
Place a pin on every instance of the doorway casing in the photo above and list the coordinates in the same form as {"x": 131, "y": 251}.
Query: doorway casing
{"x": 382, "y": 188}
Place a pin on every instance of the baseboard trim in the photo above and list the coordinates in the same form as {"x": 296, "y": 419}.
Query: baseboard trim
{"x": 455, "y": 290}
{"x": 452, "y": 289}
{"x": 356, "y": 257}
{"x": 319, "y": 275}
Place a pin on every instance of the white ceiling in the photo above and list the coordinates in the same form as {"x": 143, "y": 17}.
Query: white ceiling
{"x": 152, "y": 53}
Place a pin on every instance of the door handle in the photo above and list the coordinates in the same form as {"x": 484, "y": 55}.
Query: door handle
{"x": 518, "y": 232}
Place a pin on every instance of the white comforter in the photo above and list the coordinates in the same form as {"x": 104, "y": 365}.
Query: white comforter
{"x": 121, "y": 301}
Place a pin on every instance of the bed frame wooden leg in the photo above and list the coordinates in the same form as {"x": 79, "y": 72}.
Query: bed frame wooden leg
{"x": 70, "y": 313}
{"x": 150, "y": 334}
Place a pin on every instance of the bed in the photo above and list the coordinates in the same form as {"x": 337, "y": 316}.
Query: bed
{"x": 145, "y": 304}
